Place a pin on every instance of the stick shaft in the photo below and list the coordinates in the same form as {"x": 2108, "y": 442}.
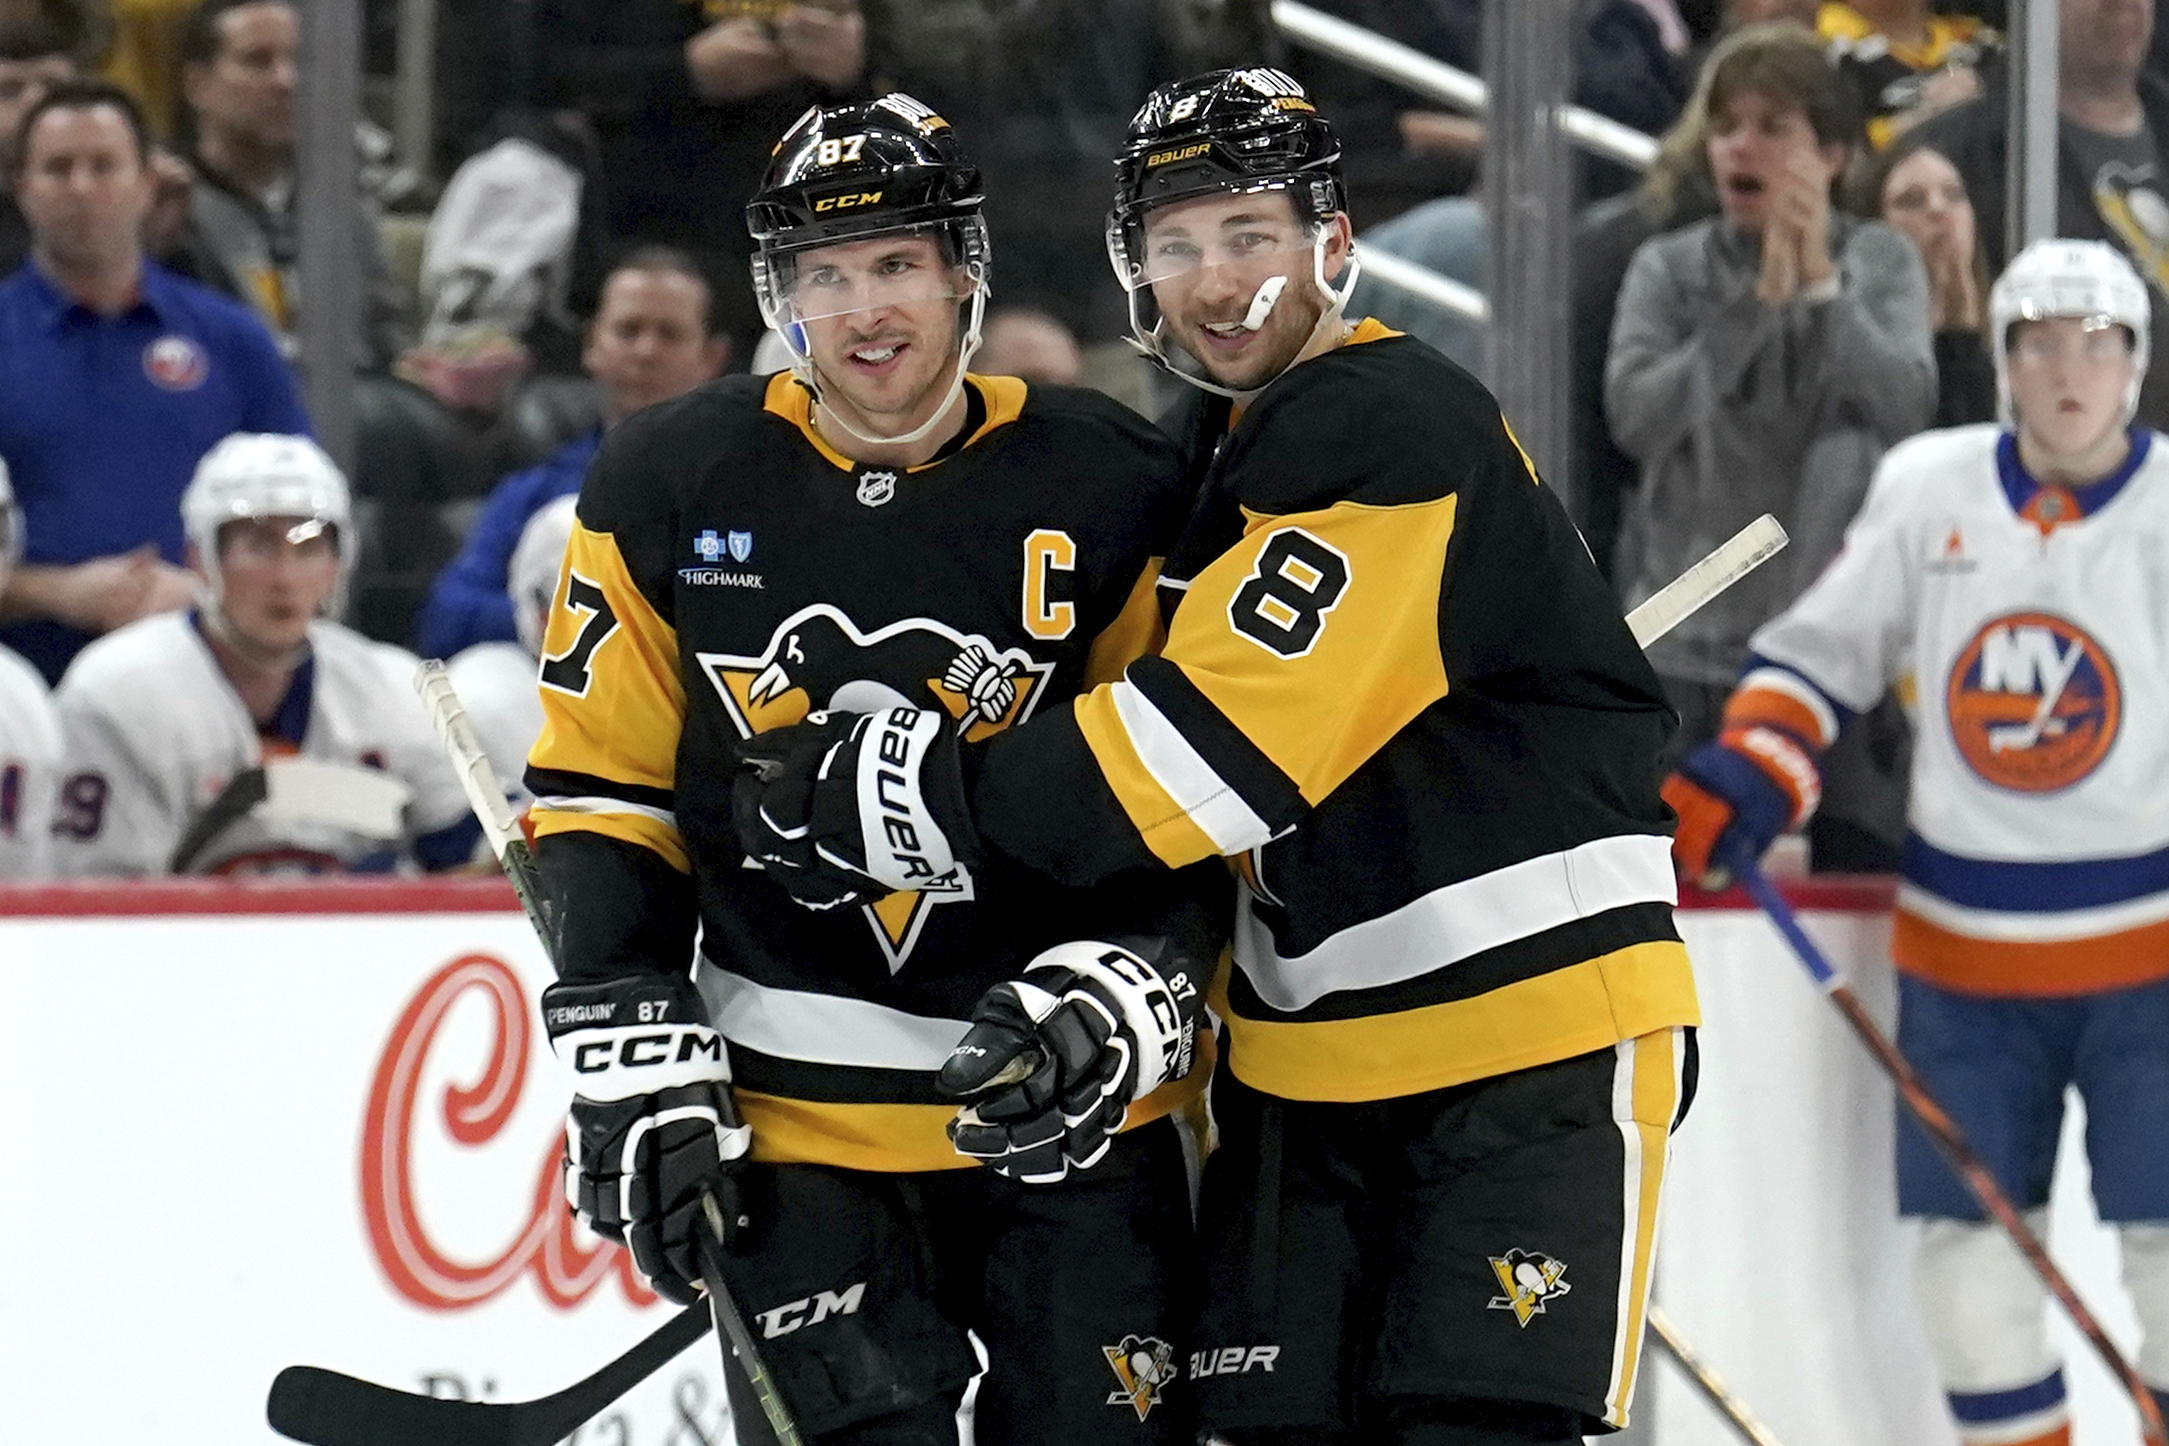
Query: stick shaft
{"x": 1712, "y": 1386}
{"x": 487, "y": 796}
{"x": 1684, "y": 595}
{"x": 1951, "y": 1141}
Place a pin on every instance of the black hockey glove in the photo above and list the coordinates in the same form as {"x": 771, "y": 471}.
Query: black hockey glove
{"x": 847, "y": 807}
{"x": 652, "y": 1126}
{"x": 1053, "y": 1060}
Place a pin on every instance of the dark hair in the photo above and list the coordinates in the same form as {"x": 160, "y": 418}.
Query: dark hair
{"x": 673, "y": 261}
{"x": 201, "y": 35}
{"x": 84, "y": 95}
{"x": 1787, "y": 63}
{"x": 37, "y": 38}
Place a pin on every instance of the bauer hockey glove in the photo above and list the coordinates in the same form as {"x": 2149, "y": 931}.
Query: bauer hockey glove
{"x": 847, "y": 807}
{"x": 1739, "y": 793}
{"x": 1053, "y": 1060}
{"x": 652, "y": 1127}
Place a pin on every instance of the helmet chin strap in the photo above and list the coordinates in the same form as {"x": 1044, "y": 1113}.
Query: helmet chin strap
{"x": 808, "y": 374}
{"x": 1262, "y": 302}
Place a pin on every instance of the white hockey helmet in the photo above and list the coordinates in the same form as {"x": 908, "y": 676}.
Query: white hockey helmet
{"x": 536, "y": 563}
{"x": 2089, "y": 279}
{"x": 268, "y": 474}
{"x": 11, "y": 527}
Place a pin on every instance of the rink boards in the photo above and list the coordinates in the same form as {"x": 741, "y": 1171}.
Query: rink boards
{"x": 253, "y": 1126}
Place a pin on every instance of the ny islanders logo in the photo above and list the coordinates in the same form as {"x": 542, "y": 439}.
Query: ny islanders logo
{"x": 2034, "y": 703}
{"x": 818, "y": 658}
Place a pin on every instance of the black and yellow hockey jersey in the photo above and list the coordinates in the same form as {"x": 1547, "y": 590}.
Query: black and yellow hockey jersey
{"x": 1397, "y": 692}
{"x": 730, "y": 572}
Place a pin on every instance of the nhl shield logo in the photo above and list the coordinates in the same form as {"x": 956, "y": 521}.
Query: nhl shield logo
{"x": 1529, "y": 1279}
{"x": 876, "y": 488}
{"x": 740, "y": 544}
{"x": 1145, "y": 1366}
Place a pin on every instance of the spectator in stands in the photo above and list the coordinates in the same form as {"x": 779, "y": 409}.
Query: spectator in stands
{"x": 1906, "y": 63}
{"x": 1915, "y": 188}
{"x": 2112, "y": 180}
{"x": 34, "y": 57}
{"x": 29, "y": 735}
{"x": 115, "y": 378}
{"x": 1023, "y": 341}
{"x": 1761, "y": 360}
{"x": 178, "y": 727}
{"x": 686, "y": 105}
{"x": 654, "y": 337}
{"x": 496, "y": 680}
{"x": 238, "y": 67}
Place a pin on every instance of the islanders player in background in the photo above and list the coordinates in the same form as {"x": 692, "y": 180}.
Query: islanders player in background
{"x": 2014, "y": 574}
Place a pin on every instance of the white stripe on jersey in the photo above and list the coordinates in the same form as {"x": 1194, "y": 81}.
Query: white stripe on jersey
{"x": 824, "y": 1028}
{"x": 1457, "y": 921}
{"x": 1182, "y": 772}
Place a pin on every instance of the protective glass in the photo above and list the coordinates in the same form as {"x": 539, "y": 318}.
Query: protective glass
{"x": 909, "y": 267}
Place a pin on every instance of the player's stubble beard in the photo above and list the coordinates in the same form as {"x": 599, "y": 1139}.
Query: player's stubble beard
{"x": 869, "y": 410}
{"x": 1297, "y": 329}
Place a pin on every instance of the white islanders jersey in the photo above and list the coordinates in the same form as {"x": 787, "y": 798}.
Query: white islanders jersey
{"x": 154, "y": 734}
{"x": 29, "y": 769}
{"x": 2033, "y": 623}
{"x": 497, "y": 686}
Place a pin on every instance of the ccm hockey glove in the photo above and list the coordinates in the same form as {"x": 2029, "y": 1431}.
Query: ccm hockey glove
{"x": 1053, "y": 1060}
{"x": 847, "y": 807}
{"x": 1739, "y": 792}
{"x": 652, "y": 1126}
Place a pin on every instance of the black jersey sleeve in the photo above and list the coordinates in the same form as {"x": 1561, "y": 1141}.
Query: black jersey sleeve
{"x": 613, "y": 862}
{"x": 1335, "y": 619}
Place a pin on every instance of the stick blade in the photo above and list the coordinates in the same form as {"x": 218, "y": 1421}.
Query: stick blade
{"x": 325, "y": 1408}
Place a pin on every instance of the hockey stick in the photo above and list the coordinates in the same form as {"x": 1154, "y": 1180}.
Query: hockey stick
{"x": 1708, "y": 1382}
{"x": 242, "y": 793}
{"x": 1679, "y": 599}
{"x": 1948, "y": 1138}
{"x": 326, "y": 1408}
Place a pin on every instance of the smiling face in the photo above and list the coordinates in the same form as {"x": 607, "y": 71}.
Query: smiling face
{"x": 2068, "y": 378}
{"x": 1753, "y": 142}
{"x": 881, "y": 326}
{"x": 1207, "y": 260}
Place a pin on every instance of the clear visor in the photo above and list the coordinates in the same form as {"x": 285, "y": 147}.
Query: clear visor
{"x": 910, "y": 267}
{"x": 1220, "y": 229}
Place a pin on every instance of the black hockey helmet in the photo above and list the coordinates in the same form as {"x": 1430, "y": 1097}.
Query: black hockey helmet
{"x": 847, "y": 171}
{"x": 850, "y": 173}
{"x": 1229, "y": 130}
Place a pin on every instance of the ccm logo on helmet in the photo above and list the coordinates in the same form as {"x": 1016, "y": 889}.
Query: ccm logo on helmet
{"x": 847, "y": 202}
{"x": 637, "y": 1050}
{"x": 1180, "y": 153}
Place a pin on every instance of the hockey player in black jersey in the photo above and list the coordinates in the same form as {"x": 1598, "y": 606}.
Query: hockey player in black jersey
{"x": 874, "y": 530}
{"x": 1396, "y": 694}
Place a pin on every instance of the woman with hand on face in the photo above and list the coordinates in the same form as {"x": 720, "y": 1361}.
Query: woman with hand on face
{"x": 1917, "y": 189}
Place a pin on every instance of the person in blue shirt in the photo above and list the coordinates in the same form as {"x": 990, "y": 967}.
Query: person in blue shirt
{"x": 655, "y": 336}
{"x": 116, "y": 377}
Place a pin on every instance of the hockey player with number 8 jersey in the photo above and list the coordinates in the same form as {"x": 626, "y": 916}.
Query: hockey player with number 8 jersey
{"x": 2012, "y": 580}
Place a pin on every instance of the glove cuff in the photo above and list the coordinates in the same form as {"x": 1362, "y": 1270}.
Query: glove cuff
{"x": 625, "y": 1038}
{"x": 1780, "y": 758}
{"x": 1156, "y": 1013}
{"x": 914, "y": 823}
